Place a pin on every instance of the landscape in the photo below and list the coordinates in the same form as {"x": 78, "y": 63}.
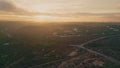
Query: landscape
{"x": 59, "y": 33}
{"x": 56, "y": 45}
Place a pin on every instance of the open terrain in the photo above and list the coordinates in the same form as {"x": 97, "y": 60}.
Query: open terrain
{"x": 58, "y": 45}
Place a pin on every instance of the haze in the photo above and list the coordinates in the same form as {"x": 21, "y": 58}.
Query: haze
{"x": 61, "y": 10}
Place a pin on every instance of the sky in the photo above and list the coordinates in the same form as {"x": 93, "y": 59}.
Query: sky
{"x": 61, "y": 10}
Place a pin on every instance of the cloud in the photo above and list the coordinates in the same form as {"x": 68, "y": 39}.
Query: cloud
{"x": 78, "y": 14}
{"x": 9, "y": 7}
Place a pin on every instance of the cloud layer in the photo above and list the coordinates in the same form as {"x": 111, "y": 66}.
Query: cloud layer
{"x": 9, "y": 7}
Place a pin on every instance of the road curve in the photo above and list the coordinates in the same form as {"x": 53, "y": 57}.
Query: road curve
{"x": 100, "y": 38}
{"x": 82, "y": 46}
{"x": 95, "y": 52}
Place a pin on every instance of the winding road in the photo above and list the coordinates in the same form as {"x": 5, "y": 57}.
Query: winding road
{"x": 95, "y": 52}
{"x": 80, "y": 46}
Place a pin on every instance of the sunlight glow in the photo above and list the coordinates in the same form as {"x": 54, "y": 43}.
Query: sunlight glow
{"x": 42, "y": 18}
{"x": 61, "y": 10}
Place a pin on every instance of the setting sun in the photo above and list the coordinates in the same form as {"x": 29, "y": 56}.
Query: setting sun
{"x": 62, "y": 10}
{"x": 59, "y": 33}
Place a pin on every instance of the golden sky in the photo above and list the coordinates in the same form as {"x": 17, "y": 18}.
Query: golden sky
{"x": 61, "y": 10}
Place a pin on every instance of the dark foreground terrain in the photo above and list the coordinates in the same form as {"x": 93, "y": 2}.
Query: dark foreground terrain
{"x": 55, "y": 45}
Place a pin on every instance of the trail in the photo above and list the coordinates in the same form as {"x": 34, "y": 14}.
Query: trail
{"x": 14, "y": 63}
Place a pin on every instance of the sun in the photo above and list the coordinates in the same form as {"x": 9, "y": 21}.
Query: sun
{"x": 45, "y": 18}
